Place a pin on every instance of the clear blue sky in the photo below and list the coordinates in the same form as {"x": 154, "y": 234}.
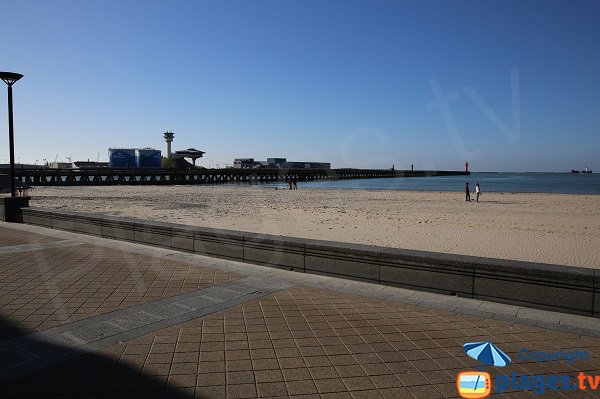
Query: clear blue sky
{"x": 347, "y": 82}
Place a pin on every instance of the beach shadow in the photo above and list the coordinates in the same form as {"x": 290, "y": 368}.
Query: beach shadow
{"x": 89, "y": 375}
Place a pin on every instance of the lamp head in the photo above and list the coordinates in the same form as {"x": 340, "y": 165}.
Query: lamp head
{"x": 10, "y": 77}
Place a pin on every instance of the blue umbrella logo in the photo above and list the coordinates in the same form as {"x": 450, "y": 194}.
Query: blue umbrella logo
{"x": 487, "y": 353}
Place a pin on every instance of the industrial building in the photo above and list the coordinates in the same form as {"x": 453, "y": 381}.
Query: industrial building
{"x": 182, "y": 154}
{"x": 305, "y": 165}
{"x": 147, "y": 158}
{"x": 60, "y": 165}
{"x": 279, "y": 163}
{"x": 189, "y": 153}
{"x": 134, "y": 158}
{"x": 121, "y": 157}
{"x": 275, "y": 161}
{"x": 90, "y": 164}
{"x": 244, "y": 163}
{"x": 125, "y": 158}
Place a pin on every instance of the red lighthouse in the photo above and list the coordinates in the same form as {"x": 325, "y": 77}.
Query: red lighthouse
{"x": 466, "y": 167}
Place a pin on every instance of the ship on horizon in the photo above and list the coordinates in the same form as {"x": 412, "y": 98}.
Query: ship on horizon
{"x": 587, "y": 170}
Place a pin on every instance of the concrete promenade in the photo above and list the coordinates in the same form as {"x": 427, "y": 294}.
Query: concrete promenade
{"x": 87, "y": 317}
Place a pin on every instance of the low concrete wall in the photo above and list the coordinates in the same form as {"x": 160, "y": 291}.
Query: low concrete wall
{"x": 566, "y": 289}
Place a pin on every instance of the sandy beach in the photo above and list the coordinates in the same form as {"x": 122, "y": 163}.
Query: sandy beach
{"x": 548, "y": 228}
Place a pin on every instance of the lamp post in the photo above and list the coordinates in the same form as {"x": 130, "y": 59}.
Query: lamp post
{"x": 10, "y": 78}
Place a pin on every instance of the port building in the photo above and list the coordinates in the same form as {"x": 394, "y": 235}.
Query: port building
{"x": 278, "y": 163}
{"x": 134, "y": 158}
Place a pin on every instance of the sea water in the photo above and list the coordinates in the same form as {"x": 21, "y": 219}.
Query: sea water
{"x": 564, "y": 183}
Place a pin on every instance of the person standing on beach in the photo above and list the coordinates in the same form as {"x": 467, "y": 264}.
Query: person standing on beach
{"x": 467, "y": 192}
{"x": 477, "y": 191}
{"x": 290, "y": 182}
{"x": 295, "y": 181}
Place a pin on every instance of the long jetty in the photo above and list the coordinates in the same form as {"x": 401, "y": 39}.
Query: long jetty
{"x": 145, "y": 176}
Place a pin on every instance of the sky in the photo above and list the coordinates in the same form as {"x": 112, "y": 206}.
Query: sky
{"x": 505, "y": 85}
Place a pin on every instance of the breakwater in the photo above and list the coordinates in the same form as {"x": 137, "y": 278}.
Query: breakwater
{"x": 141, "y": 176}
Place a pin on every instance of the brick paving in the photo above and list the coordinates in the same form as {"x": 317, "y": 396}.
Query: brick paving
{"x": 300, "y": 342}
{"x": 47, "y": 288}
{"x": 16, "y": 237}
{"x": 309, "y": 343}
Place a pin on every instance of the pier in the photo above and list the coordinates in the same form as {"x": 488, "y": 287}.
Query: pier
{"x": 147, "y": 176}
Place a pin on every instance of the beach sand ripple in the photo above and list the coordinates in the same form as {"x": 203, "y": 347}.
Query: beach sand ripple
{"x": 548, "y": 228}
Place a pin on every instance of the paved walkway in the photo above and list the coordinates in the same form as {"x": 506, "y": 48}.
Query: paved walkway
{"x": 87, "y": 317}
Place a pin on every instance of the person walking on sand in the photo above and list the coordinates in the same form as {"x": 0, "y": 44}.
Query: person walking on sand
{"x": 477, "y": 191}
{"x": 295, "y": 181}
{"x": 467, "y": 192}
{"x": 290, "y": 182}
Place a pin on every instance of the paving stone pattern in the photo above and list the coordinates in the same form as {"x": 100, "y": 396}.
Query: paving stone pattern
{"x": 27, "y": 353}
{"x": 307, "y": 343}
{"x": 16, "y": 237}
{"x": 299, "y": 342}
{"x": 46, "y": 288}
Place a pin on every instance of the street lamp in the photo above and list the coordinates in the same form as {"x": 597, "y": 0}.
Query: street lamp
{"x": 10, "y": 78}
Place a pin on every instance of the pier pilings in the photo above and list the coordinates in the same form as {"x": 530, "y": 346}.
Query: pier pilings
{"x": 144, "y": 176}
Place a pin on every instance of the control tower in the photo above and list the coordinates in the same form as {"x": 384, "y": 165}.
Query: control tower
{"x": 169, "y": 139}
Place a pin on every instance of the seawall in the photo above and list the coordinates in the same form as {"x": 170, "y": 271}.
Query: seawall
{"x": 559, "y": 288}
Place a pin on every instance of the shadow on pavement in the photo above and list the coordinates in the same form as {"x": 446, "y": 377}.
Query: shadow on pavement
{"x": 84, "y": 375}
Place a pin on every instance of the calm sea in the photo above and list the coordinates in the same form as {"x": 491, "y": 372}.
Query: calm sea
{"x": 565, "y": 183}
